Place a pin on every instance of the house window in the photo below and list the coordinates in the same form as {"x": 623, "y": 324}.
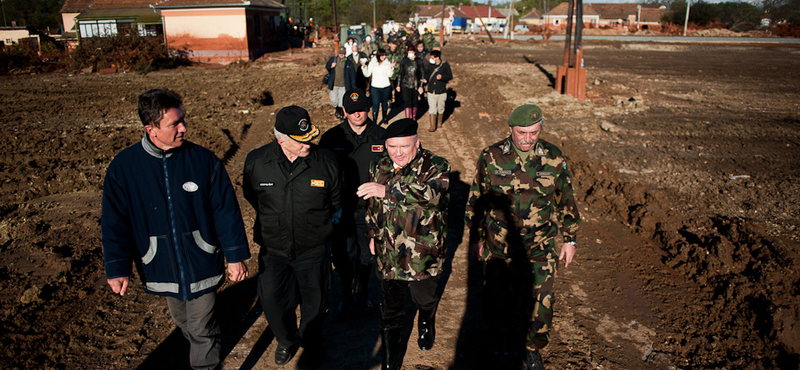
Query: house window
{"x": 149, "y": 30}
{"x": 556, "y": 22}
{"x": 104, "y": 28}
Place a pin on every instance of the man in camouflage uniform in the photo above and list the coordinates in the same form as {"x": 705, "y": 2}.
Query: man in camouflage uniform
{"x": 406, "y": 223}
{"x": 522, "y": 192}
{"x": 394, "y": 55}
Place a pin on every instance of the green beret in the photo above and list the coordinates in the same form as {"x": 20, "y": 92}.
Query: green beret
{"x": 525, "y": 115}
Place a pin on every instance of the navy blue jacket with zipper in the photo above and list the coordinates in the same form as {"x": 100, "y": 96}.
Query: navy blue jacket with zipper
{"x": 175, "y": 215}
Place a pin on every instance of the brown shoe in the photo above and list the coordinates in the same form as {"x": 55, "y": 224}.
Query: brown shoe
{"x": 439, "y": 118}
{"x": 433, "y": 123}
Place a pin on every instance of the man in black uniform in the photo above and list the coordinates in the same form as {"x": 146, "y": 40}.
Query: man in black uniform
{"x": 355, "y": 141}
{"x": 294, "y": 188}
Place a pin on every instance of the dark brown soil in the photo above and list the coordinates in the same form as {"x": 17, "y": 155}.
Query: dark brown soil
{"x": 686, "y": 163}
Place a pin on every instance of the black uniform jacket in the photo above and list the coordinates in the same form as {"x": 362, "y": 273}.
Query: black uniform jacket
{"x": 293, "y": 211}
{"x": 354, "y": 156}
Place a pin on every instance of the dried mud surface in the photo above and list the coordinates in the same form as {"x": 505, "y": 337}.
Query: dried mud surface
{"x": 686, "y": 163}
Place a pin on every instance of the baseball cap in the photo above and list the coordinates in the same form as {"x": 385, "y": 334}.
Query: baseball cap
{"x": 355, "y": 101}
{"x": 525, "y": 115}
{"x": 295, "y": 122}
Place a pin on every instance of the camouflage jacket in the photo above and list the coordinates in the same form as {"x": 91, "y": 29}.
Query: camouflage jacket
{"x": 521, "y": 203}
{"x": 409, "y": 223}
{"x": 395, "y": 56}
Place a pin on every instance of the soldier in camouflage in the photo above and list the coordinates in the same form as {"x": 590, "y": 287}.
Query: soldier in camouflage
{"x": 394, "y": 55}
{"x": 521, "y": 194}
{"x": 406, "y": 219}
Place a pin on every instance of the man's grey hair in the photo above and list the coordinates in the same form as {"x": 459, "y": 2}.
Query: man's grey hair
{"x": 280, "y": 135}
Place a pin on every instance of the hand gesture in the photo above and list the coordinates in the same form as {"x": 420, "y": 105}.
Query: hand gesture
{"x": 333, "y": 65}
{"x": 424, "y": 81}
{"x": 119, "y": 285}
{"x": 567, "y": 253}
{"x": 438, "y": 76}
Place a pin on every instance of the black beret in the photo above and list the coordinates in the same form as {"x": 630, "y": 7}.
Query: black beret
{"x": 401, "y": 128}
{"x": 295, "y": 122}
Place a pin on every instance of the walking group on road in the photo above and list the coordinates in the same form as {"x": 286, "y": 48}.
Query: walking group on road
{"x": 368, "y": 202}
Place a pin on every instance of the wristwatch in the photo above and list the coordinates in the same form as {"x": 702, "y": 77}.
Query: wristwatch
{"x": 573, "y": 243}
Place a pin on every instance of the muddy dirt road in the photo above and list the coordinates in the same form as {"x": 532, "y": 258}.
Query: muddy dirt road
{"x": 686, "y": 163}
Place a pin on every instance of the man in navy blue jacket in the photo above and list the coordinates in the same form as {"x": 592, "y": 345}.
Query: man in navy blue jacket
{"x": 169, "y": 207}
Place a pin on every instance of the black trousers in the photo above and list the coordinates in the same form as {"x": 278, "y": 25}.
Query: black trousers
{"x": 423, "y": 294}
{"x": 283, "y": 284}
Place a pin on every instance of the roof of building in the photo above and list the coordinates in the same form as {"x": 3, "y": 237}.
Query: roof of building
{"x": 533, "y": 14}
{"x": 653, "y": 15}
{"x": 616, "y": 11}
{"x": 483, "y": 10}
{"x": 216, "y": 3}
{"x": 457, "y": 13}
{"x": 506, "y": 11}
{"x": 140, "y": 15}
{"x": 563, "y": 8}
{"x": 77, "y": 6}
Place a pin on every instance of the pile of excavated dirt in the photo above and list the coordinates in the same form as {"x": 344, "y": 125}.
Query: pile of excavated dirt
{"x": 684, "y": 157}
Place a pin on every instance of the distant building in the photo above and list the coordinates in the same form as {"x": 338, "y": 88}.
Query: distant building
{"x": 217, "y": 31}
{"x": 534, "y": 17}
{"x": 612, "y": 15}
{"x": 491, "y": 17}
{"x": 432, "y": 14}
{"x": 13, "y": 35}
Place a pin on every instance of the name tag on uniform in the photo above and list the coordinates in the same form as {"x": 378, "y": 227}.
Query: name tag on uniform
{"x": 264, "y": 184}
{"x": 377, "y": 148}
{"x": 540, "y": 174}
{"x": 503, "y": 172}
{"x": 318, "y": 183}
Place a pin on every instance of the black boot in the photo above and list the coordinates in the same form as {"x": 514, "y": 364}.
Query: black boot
{"x": 533, "y": 360}
{"x": 391, "y": 348}
{"x": 426, "y": 326}
{"x": 362, "y": 289}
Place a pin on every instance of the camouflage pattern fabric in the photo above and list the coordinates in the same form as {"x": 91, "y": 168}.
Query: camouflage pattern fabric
{"x": 516, "y": 203}
{"x": 515, "y": 208}
{"x": 428, "y": 39}
{"x": 396, "y": 57}
{"x": 409, "y": 223}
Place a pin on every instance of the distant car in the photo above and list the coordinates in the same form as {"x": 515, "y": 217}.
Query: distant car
{"x": 521, "y": 27}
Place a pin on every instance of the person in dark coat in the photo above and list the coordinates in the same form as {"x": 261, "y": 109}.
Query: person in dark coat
{"x": 294, "y": 188}
{"x": 342, "y": 77}
{"x": 356, "y": 141}
{"x": 438, "y": 75}
{"x": 170, "y": 209}
{"x": 409, "y": 83}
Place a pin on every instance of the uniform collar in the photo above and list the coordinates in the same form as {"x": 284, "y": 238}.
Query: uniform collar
{"x": 538, "y": 148}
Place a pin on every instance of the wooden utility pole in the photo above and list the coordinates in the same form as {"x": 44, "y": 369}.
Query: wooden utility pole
{"x": 441, "y": 27}
{"x": 481, "y": 19}
{"x": 572, "y": 75}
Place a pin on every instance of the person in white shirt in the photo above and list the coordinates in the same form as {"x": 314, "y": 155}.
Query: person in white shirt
{"x": 380, "y": 87}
